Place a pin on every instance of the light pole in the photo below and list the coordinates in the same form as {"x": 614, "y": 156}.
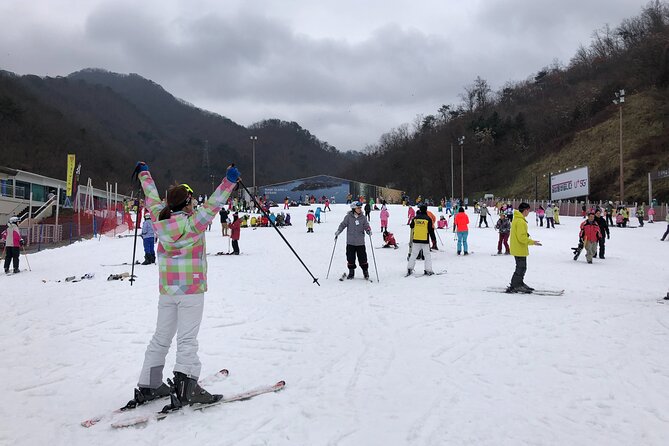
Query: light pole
{"x": 619, "y": 101}
{"x": 253, "y": 142}
{"x": 461, "y": 140}
{"x": 452, "y": 189}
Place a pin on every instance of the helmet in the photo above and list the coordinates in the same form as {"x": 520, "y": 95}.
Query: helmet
{"x": 422, "y": 208}
{"x": 14, "y": 220}
{"x": 356, "y": 204}
{"x": 188, "y": 188}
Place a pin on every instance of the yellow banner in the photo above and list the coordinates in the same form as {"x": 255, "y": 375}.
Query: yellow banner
{"x": 70, "y": 174}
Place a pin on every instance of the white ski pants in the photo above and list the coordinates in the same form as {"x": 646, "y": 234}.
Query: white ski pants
{"x": 180, "y": 315}
{"x": 415, "y": 249}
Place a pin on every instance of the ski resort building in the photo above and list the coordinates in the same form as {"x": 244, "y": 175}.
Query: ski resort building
{"x": 334, "y": 188}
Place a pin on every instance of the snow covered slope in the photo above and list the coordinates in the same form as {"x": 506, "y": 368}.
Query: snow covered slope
{"x": 415, "y": 361}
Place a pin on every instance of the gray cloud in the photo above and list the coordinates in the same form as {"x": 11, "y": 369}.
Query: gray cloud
{"x": 347, "y": 71}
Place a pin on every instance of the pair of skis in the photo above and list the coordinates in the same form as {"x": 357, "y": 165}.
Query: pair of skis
{"x": 143, "y": 419}
{"x": 535, "y": 292}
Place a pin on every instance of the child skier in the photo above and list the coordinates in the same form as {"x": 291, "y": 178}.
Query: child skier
{"x": 389, "y": 239}
{"x": 503, "y": 225}
{"x": 310, "y": 221}
{"x": 182, "y": 283}
{"x": 384, "y": 217}
{"x": 148, "y": 237}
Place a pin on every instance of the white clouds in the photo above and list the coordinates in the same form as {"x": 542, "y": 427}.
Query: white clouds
{"x": 347, "y": 71}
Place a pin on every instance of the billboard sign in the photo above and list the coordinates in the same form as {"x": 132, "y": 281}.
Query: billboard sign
{"x": 574, "y": 183}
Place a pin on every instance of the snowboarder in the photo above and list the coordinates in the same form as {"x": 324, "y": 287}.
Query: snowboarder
{"x": 356, "y": 226}
{"x": 590, "y": 234}
{"x": 13, "y": 242}
{"x": 182, "y": 284}
{"x": 148, "y": 238}
{"x": 520, "y": 241}
{"x": 503, "y": 225}
{"x": 460, "y": 224}
{"x": 422, "y": 231}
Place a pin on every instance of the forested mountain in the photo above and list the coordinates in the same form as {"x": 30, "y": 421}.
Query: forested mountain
{"x": 560, "y": 117}
{"x": 111, "y": 120}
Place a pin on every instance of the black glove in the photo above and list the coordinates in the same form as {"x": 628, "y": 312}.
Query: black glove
{"x": 22, "y": 242}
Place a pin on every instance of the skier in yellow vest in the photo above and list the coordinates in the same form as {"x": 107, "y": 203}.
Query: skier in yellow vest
{"x": 422, "y": 231}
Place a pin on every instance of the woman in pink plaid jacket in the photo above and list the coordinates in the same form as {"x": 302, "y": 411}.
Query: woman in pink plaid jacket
{"x": 182, "y": 262}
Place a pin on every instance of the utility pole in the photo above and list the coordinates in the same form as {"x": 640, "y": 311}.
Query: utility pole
{"x": 452, "y": 189}
{"x": 619, "y": 101}
{"x": 253, "y": 142}
{"x": 461, "y": 140}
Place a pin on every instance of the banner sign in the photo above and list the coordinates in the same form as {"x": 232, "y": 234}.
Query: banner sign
{"x": 70, "y": 174}
{"x": 660, "y": 174}
{"x": 574, "y": 183}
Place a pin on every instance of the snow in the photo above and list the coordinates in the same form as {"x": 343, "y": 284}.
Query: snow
{"x": 420, "y": 361}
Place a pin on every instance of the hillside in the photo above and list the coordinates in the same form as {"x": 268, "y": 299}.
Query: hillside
{"x": 110, "y": 120}
{"x": 559, "y": 117}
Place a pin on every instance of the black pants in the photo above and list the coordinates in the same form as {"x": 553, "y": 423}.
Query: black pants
{"x": 12, "y": 254}
{"x": 519, "y": 273}
{"x": 235, "y": 246}
{"x": 602, "y": 246}
{"x": 640, "y": 221}
{"x": 483, "y": 219}
{"x": 609, "y": 219}
{"x": 361, "y": 252}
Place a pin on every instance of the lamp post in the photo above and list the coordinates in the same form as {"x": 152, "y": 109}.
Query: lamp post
{"x": 452, "y": 189}
{"x": 253, "y": 143}
{"x": 461, "y": 140}
{"x": 619, "y": 101}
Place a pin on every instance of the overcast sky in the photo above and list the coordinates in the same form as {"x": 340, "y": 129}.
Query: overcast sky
{"x": 346, "y": 70}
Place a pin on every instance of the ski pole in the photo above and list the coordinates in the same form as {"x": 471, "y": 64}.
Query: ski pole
{"x": 279, "y": 232}
{"x": 371, "y": 245}
{"x": 439, "y": 237}
{"x": 331, "y": 257}
{"x": 134, "y": 241}
{"x": 26, "y": 256}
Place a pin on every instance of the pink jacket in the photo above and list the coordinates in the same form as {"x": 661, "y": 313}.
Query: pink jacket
{"x": 15, "y": 239}
{"x": 182, "y": 253}
{"x": 385, "y": 214}
{"x": 412, "y": 213}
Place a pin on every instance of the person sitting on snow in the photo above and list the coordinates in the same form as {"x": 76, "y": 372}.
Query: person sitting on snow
{"x": 389, "y": 239}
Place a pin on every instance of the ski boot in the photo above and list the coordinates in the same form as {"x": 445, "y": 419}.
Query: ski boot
{"x": 351, "y": 274}
{"x": 527, "y": 286}
{"x": 147, "y": 259}
{"x": 16, "y": 270}
{"x": 186, "y": 391}
{"x": 366, "y": 273}
{"x": 409, "y": 272}
{"x": 145, "y": 394}
{"x": 428, "y": 273}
